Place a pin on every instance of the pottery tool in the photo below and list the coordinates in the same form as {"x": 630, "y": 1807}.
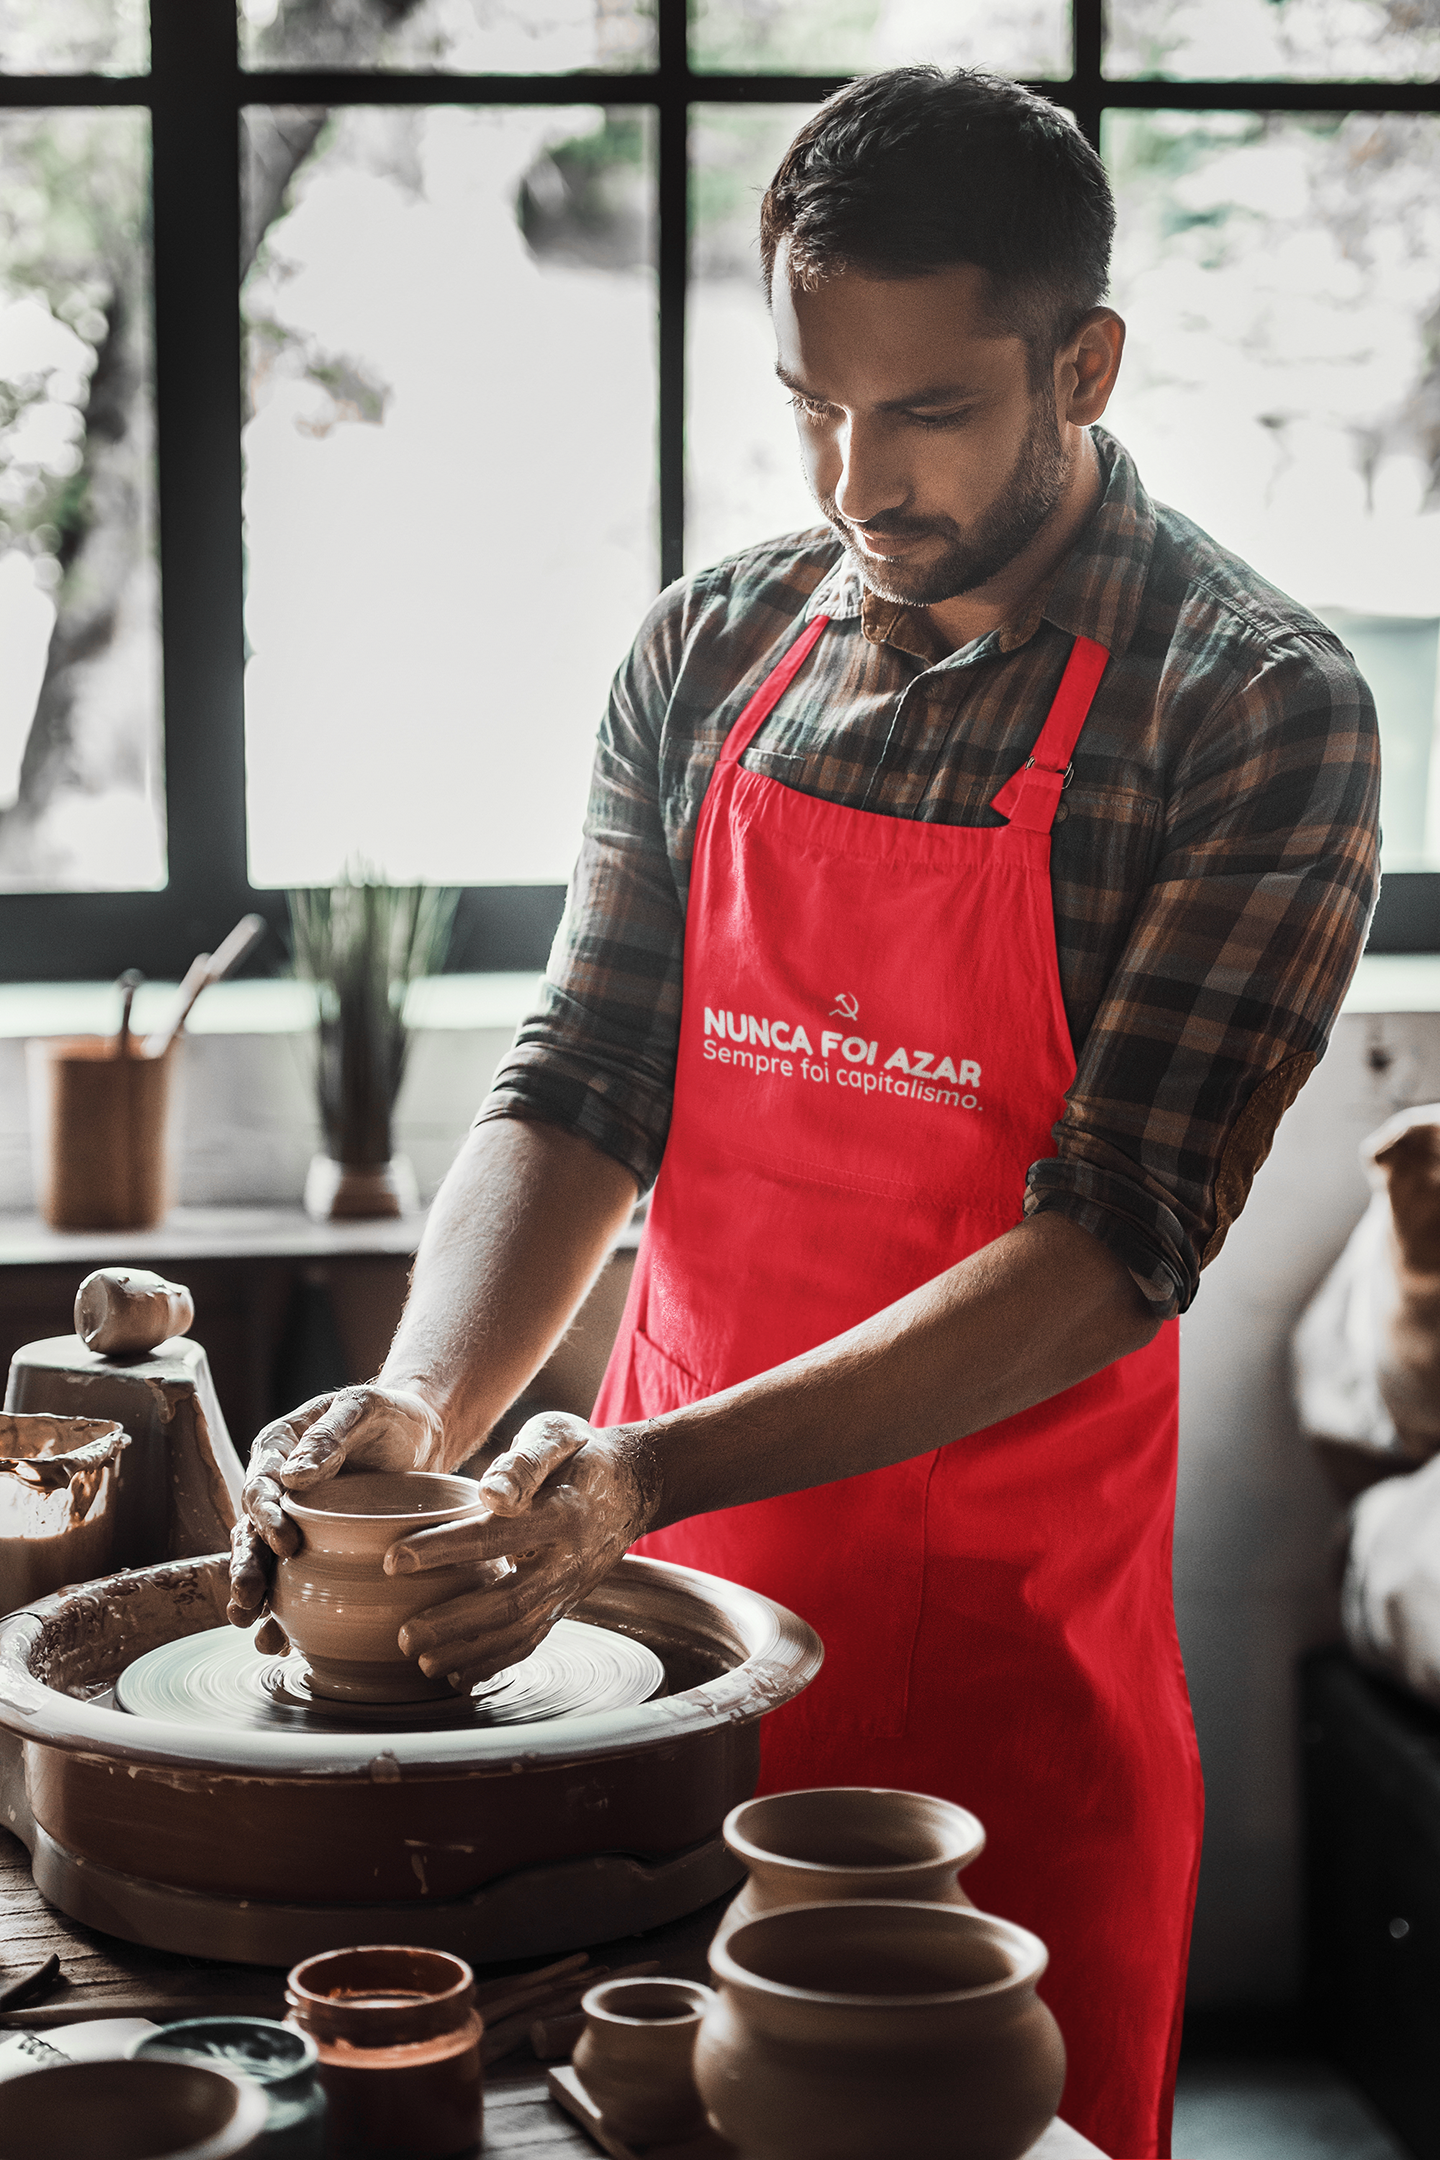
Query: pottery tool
{"x": 205, "y": 969}
{"x": 219, "y": 1678}
{"x": 510, "y": 2016}
{"x": 30, "y": 1986}
{"x": 127, "y": 985}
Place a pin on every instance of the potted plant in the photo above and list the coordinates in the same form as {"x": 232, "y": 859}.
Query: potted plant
{"x": 362, "y": 944}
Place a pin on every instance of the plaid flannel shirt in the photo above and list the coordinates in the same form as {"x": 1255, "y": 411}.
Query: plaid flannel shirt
{"x": 1214, "y": 859}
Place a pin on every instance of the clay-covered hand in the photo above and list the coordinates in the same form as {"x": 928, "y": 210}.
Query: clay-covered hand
{"x": 563, "y": 1503}
{"x": 371, "y": 1427}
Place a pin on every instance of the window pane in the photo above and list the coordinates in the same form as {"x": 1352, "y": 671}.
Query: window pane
{"x": 1306, "y": 40}
{"x": 74, "y": 37}
{"x": 449, "y": 491}
{"x": 475, "y": 37}
{"x": 1027, "y": 38}
{"x": 742, "y": 469}
{"x": 1281, "y": 276}
{"x": 81, "y": 788}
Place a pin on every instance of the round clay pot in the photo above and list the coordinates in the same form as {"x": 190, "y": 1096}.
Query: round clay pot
{"x": 335, "y": 1601}
{"x": 636, "y": 2054}
{"x": 130, "y": 2111}
{"x": 844, "y": 1842}
{"x": 860, "y": 2031}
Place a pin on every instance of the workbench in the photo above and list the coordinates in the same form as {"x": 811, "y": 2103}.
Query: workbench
{"x": 105, "y": 1978}
{"x": 286, "y": 1307}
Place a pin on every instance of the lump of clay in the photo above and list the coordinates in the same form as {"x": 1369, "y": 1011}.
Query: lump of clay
{"x": 124, "y": 1312}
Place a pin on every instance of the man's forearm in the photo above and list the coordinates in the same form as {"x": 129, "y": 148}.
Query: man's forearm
{"x": 517, "y": 1233}
{"x": 1039, "y": 1309}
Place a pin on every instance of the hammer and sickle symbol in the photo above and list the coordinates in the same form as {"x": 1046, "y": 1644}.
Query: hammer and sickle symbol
{"x": 847, "y": 1005}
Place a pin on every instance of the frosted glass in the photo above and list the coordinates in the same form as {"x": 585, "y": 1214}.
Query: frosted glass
{"x": 1280, "y": 275}
{"x": 81, "y": 772}
{"x": 1024, "y": 38}
{"x": 1288, "y": 40}
{"x": 743, "y": 480}
{"x": 478, "y": 37}
{"x": 74, "y": 37}
{"x": 449, "y": 488}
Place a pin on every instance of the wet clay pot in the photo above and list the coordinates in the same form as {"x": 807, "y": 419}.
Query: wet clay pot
{"x": 862, "y": 2031}
{"x": 335, "y": 1601}
{"x": 635, "y": 2058}
{"x": 844, "y": 1842}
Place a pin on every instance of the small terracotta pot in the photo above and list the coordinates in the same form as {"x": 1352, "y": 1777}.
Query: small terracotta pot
{"x": 635, "y": 2058}
{"x": 333, "y": 1597}
{"x": 843, "y": 1842}
{"x": 862, "y": 2031}
{"x": 131, "y": 2111}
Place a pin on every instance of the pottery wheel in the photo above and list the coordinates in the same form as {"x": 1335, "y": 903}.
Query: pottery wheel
{"x": 220, "y": 1678}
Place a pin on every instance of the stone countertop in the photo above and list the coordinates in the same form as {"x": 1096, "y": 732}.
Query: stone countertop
{"x": 220, "y": 1233}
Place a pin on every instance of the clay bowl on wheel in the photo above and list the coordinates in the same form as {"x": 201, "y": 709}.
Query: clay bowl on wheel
{"x": 333, "y": 1598}
{"x": 842, "y": 1842}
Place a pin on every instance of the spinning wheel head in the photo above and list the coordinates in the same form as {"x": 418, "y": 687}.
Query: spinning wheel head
{"x": 219, "y": 1678}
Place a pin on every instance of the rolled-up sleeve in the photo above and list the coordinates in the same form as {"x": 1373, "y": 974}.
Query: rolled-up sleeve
{"x": 597, "y": 1055}
{"x": 1233, "y": 970}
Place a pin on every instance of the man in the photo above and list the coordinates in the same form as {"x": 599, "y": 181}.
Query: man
{"x": 967, "y": 889}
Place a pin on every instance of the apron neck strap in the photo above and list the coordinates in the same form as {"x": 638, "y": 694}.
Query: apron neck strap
{"x": 770, "y": 692}
{"x": 1030, "y": 798}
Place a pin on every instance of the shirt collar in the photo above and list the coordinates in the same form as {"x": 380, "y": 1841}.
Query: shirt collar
{"x": 1094, "y": 593}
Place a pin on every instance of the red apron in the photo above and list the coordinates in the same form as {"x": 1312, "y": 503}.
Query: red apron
{"x": 873, "y": 1050}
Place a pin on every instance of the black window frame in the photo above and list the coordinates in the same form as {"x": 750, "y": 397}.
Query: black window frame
{"x": 194, "y": 93}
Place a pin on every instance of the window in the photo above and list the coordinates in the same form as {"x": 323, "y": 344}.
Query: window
{"x": 328, "y": 558}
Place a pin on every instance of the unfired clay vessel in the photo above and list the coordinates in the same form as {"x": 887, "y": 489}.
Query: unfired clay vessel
{"x": 57, "y": 1503}
{"x": 635, "y": 2058}
{"x": 335, "y": 1601}
{"x": 843, "y": 1842}
{"x": 863, "y": 2031}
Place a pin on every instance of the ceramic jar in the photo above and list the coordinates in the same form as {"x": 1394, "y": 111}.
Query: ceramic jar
{"x": 398, "y": 2038}
{"x": 335, "y": 1601}
{"x": 131, "y": 2111}
{"x": 844, "y": 1842}
{"x": 861, "y": 2031}
{"x": 635, "y": 2058}
{"x": 279, "y": 2058}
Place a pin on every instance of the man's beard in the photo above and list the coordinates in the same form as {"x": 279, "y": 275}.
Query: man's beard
{"x": 970, "y": 559}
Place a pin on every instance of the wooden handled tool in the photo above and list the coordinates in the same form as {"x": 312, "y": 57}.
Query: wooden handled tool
{"x": 123, "y": 1312}
{"x": 204, "y": 969}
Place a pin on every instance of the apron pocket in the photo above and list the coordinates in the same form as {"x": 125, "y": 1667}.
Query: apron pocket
{"x": 849, "y": 1557}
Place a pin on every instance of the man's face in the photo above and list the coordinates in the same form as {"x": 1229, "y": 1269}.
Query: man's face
{"x": 924, "y": 441}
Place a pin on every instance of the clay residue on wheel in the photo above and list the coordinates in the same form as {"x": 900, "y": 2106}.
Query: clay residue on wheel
{"x": 92, "y": 1635}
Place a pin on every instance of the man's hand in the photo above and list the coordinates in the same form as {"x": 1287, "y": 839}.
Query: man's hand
{"x": 370, "y": 1427}
{"x": 565, "y": 1501}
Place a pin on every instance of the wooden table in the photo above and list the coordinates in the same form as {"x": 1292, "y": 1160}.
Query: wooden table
{"x": 106, "y": 1978}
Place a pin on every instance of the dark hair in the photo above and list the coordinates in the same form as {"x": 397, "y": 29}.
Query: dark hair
{"x": 912, "y": 170}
